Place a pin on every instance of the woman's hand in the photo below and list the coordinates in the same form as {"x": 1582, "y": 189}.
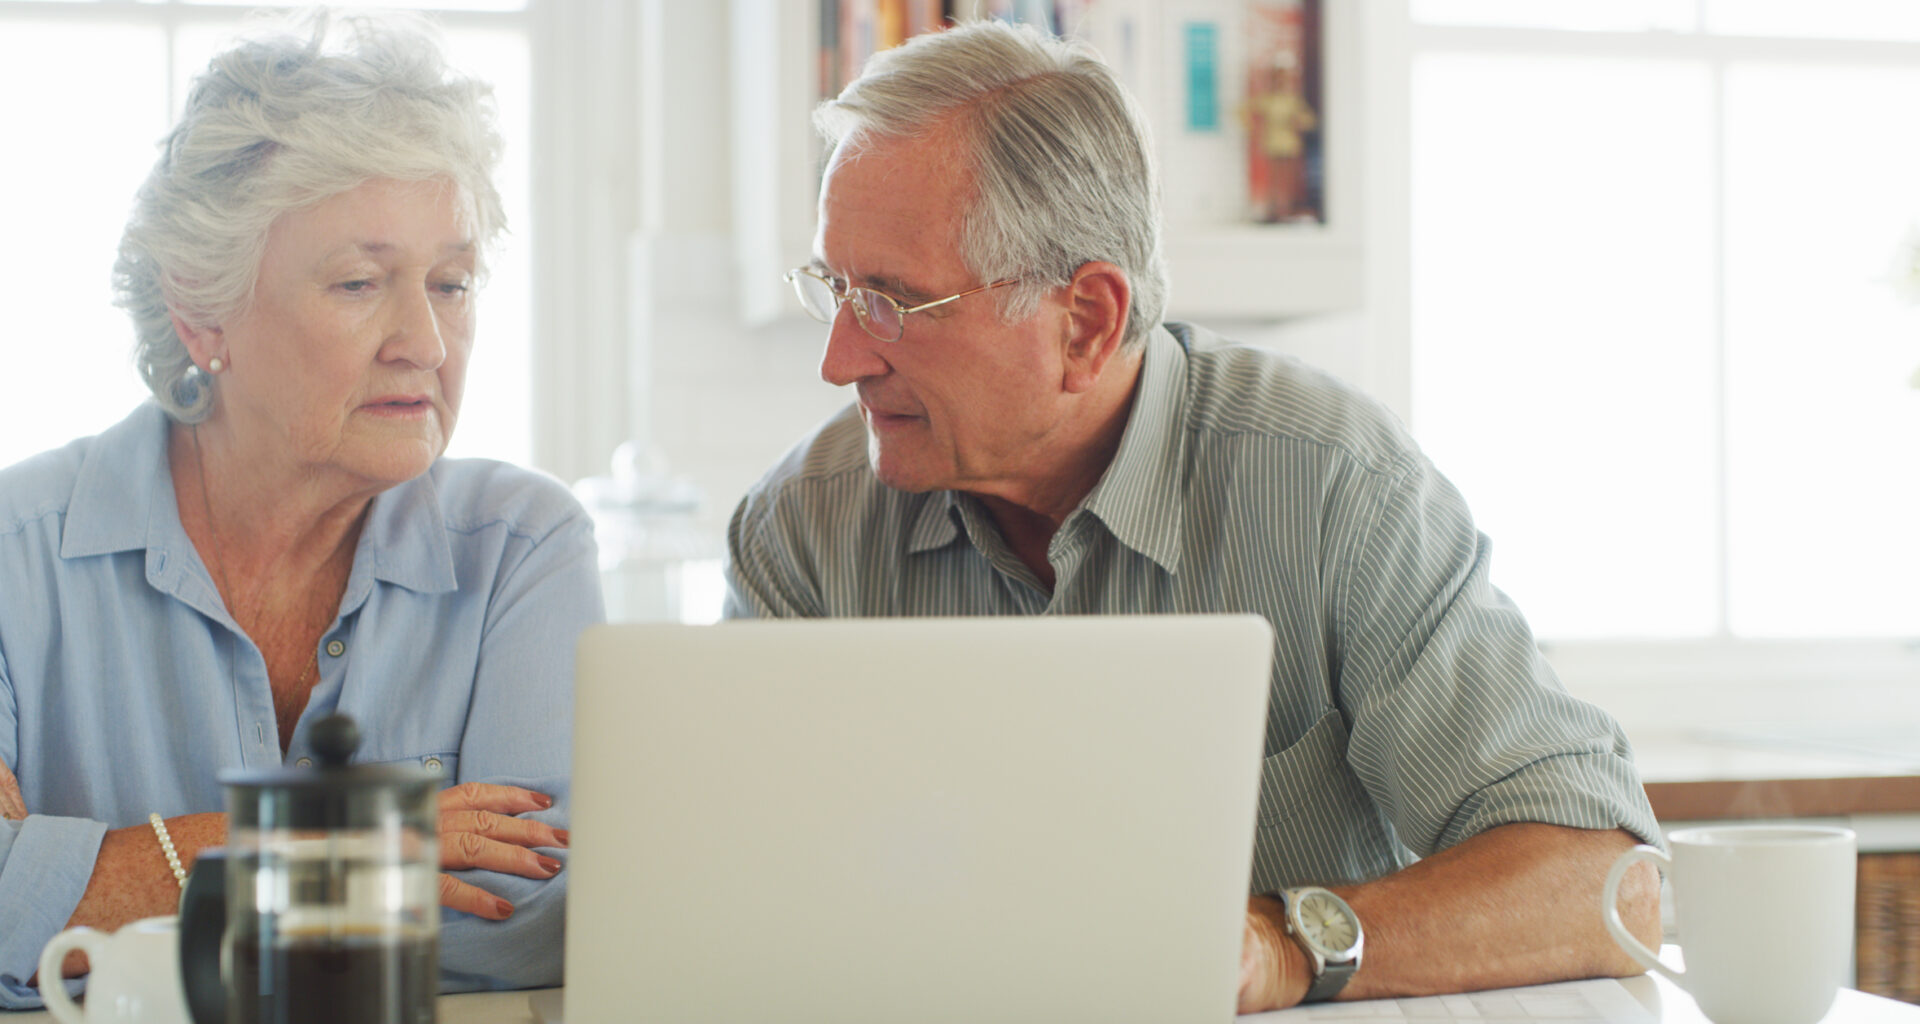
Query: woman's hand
{"x": 13, "y": 807}
{"x": 478, "y": 830}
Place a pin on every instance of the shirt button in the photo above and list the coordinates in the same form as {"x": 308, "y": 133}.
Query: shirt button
{"x": 432, "y": 764}
{"x": 305, "y": 762}
{"x": 336, "y": 647}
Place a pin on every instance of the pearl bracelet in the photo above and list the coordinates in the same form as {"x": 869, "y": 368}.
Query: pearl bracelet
{"x": 166, "y": 847}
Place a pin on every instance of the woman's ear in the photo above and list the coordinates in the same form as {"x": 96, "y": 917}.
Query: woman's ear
{"x": 1098, "y": 300}
{"x": 204, "y": 344}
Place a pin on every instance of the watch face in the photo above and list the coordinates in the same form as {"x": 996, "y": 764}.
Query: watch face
{"x": 1326, "y": 922}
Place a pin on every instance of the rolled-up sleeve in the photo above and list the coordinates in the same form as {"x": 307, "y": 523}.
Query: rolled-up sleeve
{"x": 519, "y": 733}
{"x": 44, "y": 866}
{"x": 1459, "y": 724}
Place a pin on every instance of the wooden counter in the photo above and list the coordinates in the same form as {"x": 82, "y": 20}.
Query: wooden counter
{"x": 1691, "y": 780}
{"x": 1719, "y": 799}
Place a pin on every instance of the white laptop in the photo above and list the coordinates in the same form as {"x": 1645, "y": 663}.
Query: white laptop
{"x": 907, "y": 820}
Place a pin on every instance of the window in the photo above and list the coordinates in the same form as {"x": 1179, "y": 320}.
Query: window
{"x": 75, "y": 162}
{"x": 1653, "y": 337}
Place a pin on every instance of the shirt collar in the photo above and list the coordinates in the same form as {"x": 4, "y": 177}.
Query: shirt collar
{"x": 936, "y": 525}
{"x": 1138, "y": 496}
{"x": 124, "y": 474}
{"x": 404, "y": 541}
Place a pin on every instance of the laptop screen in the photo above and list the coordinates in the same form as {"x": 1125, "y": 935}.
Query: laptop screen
{"x": 964, "y": 819}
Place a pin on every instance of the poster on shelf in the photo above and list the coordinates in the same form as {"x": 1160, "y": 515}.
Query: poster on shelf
{"x": 1285, "y": 148}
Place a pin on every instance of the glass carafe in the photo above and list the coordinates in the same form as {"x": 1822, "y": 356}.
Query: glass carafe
{"x": 324, "y": 907}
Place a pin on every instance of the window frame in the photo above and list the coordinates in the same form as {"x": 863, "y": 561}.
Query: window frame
{"x": 586, "y": 133}
{"x": 1645, "y": 681}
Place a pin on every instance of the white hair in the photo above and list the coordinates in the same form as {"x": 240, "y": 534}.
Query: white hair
{"x": 280, "y": 122}
{"x": 1060, "y": 155}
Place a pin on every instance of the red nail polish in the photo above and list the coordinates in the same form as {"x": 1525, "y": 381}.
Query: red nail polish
{"x": 564, "y": 836}
{"x": 543, "y": 800}
{"x": 505, "y": 908}
{"x": 551, "y": 866}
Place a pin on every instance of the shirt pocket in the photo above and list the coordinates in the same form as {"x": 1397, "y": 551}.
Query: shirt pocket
{"x": 1317, "y": 822}
{"x": 1310, "y": 777}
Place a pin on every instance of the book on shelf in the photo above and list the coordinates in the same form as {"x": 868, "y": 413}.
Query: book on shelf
{"x": 853, "y": 30}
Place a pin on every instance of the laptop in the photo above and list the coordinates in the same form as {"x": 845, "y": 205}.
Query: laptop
{"x": 907, "y": 820}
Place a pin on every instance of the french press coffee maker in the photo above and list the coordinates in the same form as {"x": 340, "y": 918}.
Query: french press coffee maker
{"x": 324, "y": 907}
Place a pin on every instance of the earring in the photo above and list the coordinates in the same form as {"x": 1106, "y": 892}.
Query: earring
{"x": 214, "y": 365}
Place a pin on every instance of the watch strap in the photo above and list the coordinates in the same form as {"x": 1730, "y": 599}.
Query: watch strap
{"x": 1332, "y": 978}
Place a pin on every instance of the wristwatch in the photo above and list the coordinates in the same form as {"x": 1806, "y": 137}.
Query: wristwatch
{"x": 1328, "y": 930}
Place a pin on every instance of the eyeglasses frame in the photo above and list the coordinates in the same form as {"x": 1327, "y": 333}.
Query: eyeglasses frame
{"x": 843, "y": 295}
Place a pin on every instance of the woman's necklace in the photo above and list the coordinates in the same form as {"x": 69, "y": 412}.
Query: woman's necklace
{"x": 220, "y": 563}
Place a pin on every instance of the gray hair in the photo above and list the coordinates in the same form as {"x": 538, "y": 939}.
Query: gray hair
{"x": 280, "y": 122}
{"x": 1061, "y": 156}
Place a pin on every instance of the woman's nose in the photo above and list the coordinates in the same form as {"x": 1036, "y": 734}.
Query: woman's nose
{"x": 414, "y": 335}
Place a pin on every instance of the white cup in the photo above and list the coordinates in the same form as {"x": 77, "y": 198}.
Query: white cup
{"x": 135, "y": 974}
{"x": 1765, "y": 915}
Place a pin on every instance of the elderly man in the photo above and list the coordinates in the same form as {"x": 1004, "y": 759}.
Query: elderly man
{"x": 1030, "y": 439}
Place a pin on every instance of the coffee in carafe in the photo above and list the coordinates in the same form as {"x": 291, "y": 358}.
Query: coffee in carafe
{"x": 313, "y": 979}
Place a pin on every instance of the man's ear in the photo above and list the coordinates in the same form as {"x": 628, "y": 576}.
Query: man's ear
{"x": 203, "y": 343}
{"x": 1098, "y": 300}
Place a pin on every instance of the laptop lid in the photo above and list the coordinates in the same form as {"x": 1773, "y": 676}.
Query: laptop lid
{"x": 985, "y": 819}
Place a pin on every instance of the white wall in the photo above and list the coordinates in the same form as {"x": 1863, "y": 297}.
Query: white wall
{"x": 719, "y": 400}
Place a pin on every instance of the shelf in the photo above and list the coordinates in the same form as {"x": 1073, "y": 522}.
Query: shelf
{"x": 1221, "y": 268}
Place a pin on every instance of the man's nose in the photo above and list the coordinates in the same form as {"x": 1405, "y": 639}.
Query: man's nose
{"x": 852, "y": 354}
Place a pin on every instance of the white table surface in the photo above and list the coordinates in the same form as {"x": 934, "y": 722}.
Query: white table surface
{"x": 1657, "y": 994}
{"x": 1673, "y": 1006}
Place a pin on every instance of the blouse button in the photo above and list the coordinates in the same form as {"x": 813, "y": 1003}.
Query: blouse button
{"x": 432, "y": 764}
{"x": 336, "y": 647}
{"x": 305, "y": 762}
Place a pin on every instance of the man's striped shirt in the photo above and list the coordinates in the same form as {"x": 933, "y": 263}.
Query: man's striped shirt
{"x": 1410, "y": 709}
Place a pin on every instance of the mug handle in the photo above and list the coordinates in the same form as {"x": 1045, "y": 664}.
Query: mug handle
{"x": 1609, "y": 902}
{"x": 53, "y": 988}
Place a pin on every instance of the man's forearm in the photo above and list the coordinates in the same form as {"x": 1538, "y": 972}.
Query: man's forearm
{"x": 1515, "y": 905}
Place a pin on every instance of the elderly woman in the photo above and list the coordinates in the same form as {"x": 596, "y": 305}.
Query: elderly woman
{"x": 275, "y": 536}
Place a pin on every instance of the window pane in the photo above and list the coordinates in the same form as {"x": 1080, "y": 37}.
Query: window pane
{"x": 1562, "y": 317}
{"x": 65, "y": 189}
{"x": 1822, "y": 473}
{"x": 496, "y": 417}
{"x": 1827, "y": 19}
{"x": 72, "y": 373}
{"x": 1587, "y": 15}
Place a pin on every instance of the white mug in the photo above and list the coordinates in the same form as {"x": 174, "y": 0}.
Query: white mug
{"x": 1765, "y": 915}
{"x": 135, "y": 974}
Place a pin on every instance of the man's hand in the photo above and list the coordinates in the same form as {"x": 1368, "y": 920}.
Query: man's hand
{"x": 13, "y": 807}
{"x": 1273, "y": 967}
{"x": 478, "y": 829}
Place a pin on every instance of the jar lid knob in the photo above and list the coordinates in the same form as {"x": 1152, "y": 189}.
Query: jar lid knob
{"x": 334, "y": 739}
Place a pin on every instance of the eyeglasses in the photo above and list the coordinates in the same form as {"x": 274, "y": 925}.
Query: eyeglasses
{"x": 881, "y": 314}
